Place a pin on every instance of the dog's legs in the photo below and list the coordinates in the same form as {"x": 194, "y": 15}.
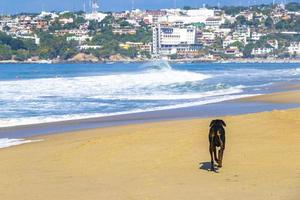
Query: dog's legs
{"x": 211, "y": 150}
{"x": 221, "y": 152}
{"x": 222, "y": 146}
{"x": 215, "y": 154}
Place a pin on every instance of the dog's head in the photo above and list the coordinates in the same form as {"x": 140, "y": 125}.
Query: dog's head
{"x": 217, "y": 122}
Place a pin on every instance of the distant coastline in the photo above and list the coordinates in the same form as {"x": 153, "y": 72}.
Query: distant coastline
{"x": 239, "y": 60}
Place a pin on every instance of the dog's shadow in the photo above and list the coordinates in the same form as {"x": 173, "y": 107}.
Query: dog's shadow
{"x": 206, "y": 166}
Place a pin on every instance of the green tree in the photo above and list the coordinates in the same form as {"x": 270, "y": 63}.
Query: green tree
{"x": 269, "y": 23}
{"x": 233, "y": 10}
{"x": 6, "y": 28}
{"x": 131, "y": 52}
{"x": 174, "y": 56}
{"x": 56, "y": 25}
{"x": 248, "y": 50}
{"x": 5, "y": 52}
{"x": 93, "y": 25}
{"x": 70, "y": 26}
{"x": 125, "y": 24}
{"x": 238, "y": 44}
{"x": 14, "y": 43}
{"x": 53, "y": 47}
{"x": 293, "y": 6}
{"x": 241, "y": 20}
{"x": 21, "y": 55}
{"x": 67, "y": 15}
{"x": 282, "y": 25}
{"x": 187, "y": 8}
{"x": 79, "y": 20}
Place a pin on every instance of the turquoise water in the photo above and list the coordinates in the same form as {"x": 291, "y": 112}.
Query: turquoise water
{"x": 37, "y": 93}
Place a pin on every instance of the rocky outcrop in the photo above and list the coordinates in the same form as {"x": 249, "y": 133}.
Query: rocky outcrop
{"x": 82, "y": 57}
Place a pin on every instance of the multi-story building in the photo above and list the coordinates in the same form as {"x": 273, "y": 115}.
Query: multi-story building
{"x": 79, "y": 39}
{"x": 214, "y": 22}
{"x": 233, "y": 51}
{"x": 208, "y": 38}
{"x": 137, "y": 45}
{"x": 124, "y": 31}
{"x": 170, "y": 40}
{"x": 186, "y": 17}
{"x": 222, "y": 32}
{"x": 294, "y": 48}
{"x": 262, "y": 51}
{"x": 64, "y": 21}
{"x": 241, "y": 37}
{"x": 255, "y": 36}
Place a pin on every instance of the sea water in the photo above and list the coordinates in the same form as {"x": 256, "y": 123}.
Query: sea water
{"x": 39, "y": 93}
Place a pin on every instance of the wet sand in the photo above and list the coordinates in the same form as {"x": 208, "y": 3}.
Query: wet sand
{"x": 280, "y": 97}
{"x": 161, "y": 160}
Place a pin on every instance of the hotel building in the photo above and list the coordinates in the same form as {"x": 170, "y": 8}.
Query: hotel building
{"x": 170, "y": 40}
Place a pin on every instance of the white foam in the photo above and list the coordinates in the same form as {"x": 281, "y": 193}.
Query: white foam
{"x": 157, "y": 65}
{"x": 5, "y": 142}
{"x": 256, "y": 73}
{"x": 161, "y": 96}
{"x": 47, "y": 119}
{"x": 110, "y": 85}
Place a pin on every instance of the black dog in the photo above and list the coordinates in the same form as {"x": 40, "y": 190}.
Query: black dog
{"x": 216, "y": 139}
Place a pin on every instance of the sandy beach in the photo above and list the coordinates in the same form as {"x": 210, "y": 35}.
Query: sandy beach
{"x": 162, "y": 160}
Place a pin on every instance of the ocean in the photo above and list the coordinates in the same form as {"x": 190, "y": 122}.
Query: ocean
{"x": 40, "y": 93}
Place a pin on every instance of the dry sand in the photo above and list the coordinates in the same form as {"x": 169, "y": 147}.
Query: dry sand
{"x": 160, "y": 161}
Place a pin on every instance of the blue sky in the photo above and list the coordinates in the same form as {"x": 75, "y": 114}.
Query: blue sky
{"x": 16, "y": 6}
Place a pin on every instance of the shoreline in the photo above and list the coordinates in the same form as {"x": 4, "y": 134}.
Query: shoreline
{"x": 248, "y": 105}
{"x": 252, "y": 60}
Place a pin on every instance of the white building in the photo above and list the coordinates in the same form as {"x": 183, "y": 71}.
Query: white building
{"x": 45, "y": 14}
{"x": 233, "y": 51}
{"x": 222, "y": 32}
{"x": 208, "y": 38}
{"x": 262, "y": 51}
{"x": 200, "y": 15}
{"x": 255, "y": 36}
{"x": 86, "y": 47}
{"x": 95, "y": 16}
{"x": 294, "y": 48}
{"x": 78, "y": 32}
{"x": 187, "y": 17}
{"x": 169, "y": 40}
{"x": 214, "y": 22}
{"x": 80, "y": 39}
{"x": 241, "y": 37}
{"x": 66, "y": 20}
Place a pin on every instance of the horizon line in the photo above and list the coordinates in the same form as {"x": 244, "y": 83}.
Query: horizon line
{"x": 142, "y": 9}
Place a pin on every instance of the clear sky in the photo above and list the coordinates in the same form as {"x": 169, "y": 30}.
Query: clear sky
{"x": 17, "y": 6}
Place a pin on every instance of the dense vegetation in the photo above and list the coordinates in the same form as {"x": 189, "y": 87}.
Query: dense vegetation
{"x": 54, "y": 46}
{"x": 20, "y": 49}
